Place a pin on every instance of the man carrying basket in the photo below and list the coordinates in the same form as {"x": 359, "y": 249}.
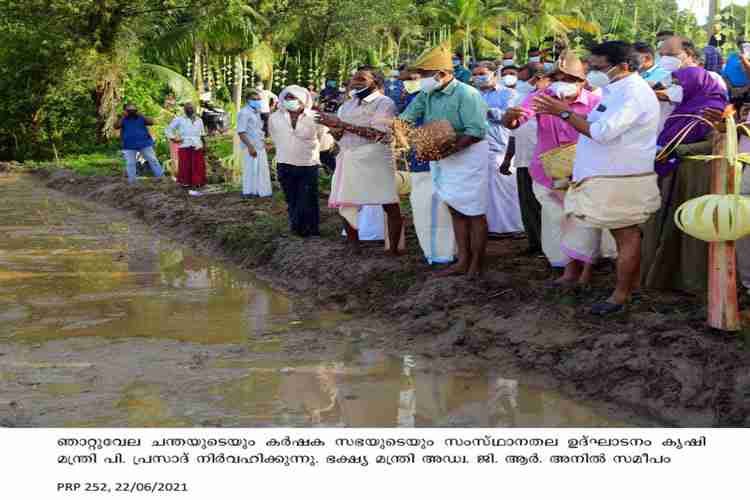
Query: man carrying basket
{"x": 453, "y": 140}
{"x": 552, "y": 165}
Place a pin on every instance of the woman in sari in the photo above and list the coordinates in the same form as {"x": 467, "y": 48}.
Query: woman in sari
{"x": 671, "y": 259}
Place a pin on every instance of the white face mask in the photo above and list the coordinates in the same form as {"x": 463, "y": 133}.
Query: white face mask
{"x": 429, "y": 84}
{"x": 675, "y": 94}
{"x": 563, "y": 89}
{"x": 597, "y": 79}
{"x": 670, "y": 63}
{"x": 293, "y": 105}
{"x": 507, "y": 62}
{"x": 510, "y": 80}
{"x": 535, "y": 59}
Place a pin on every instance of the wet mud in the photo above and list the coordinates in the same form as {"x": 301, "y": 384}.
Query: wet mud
{"x": 659, "y": 363}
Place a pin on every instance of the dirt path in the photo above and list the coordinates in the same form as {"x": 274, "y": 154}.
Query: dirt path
{"x": 660, "y": 362}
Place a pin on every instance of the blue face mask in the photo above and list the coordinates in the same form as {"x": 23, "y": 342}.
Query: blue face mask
{"x": 456, "y": 62}
{"x": 482, "y": 80}
{"x": 331, "y": 84}
{"x": 255, "y": 104}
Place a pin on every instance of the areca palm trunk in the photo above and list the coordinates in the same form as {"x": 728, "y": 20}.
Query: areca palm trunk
{"x": 197, "y": 66}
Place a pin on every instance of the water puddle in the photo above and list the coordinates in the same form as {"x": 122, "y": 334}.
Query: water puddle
{"x": 142, "y": 326}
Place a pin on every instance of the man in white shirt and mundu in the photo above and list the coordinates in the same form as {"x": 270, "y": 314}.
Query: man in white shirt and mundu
{"x": 614, "y": 184}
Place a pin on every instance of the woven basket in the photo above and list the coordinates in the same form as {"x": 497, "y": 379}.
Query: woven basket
{"x": 558, "y": 162}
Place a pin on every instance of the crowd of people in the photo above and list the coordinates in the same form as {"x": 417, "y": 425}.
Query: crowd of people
{"x": 589, "y": 156}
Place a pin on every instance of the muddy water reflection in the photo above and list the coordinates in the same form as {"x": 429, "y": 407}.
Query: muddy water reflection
{"x": 376, "y": 390}
{"x": 66, "y": 271}
{"x": 91, "y": 280}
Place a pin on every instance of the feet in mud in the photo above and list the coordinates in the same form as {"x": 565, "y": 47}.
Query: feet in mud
{"x": 457, "y": 269}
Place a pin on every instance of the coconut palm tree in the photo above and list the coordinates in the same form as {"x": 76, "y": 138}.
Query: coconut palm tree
{"x": 472, "y": 24}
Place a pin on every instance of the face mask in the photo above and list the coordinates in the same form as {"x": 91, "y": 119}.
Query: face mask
{"x": 456, "y": 62}
{"x": 535, "y": 59}
{"x": 255, "y": 104}
{"x": 510, "y": 80}
{"x": 292, "y": 105}
{"x": 331, "y": 84}
{"x": 342, "y": 89}
{"x": 481, "y": 80}
{"x": 563, "y": 89}
{"x": 675, "y": 94}
{"x": 548, "y": 67}
{"x": 429, "y": 84}
{"x": 361, "y": 93}
{"x": 670, "y": 63}
{"x": 507, "y": 62}
{"x": 412, "y": 86}
{"x": 394, "y": 74}
{"x": 597, "y": 79}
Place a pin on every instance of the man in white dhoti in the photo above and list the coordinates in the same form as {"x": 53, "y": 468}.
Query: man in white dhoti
{"x": 256, "y": 176}
{"x": 503, "y": 210}
{"x": 460, "y": 176}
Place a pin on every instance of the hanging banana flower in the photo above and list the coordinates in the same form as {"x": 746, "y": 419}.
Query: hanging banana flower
{"x": 720, "y": 217}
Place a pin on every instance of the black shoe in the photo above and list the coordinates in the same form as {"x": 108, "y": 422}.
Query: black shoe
{"x": 607, "y": 309}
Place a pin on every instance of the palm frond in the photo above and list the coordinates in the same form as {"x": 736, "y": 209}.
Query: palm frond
{"x": 181, "y": 86}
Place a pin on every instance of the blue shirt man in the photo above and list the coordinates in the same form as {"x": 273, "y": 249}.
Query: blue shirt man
{"x": 136, "y": 139}
{"x": 461, "y": 74}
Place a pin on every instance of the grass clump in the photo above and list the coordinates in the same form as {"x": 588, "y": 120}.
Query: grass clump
{"x": 257, "y": 240}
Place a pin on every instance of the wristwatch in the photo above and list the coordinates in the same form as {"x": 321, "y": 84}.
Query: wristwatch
{"x": 565, "y": 115}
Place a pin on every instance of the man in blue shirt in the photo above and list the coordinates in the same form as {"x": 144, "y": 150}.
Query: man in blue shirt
{"x": 460, "y": 72}
{"x": 137, "y": 139}
{"x": 649, "y": 70}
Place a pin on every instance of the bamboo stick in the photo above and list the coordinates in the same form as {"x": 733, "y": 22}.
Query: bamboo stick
{"x": 723, "y": 308}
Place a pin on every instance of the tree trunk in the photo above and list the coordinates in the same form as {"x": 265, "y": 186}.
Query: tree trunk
{"x": 198, "y": 67}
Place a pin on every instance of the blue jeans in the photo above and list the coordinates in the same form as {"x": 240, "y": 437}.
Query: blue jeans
{"x": 148, "y": 154}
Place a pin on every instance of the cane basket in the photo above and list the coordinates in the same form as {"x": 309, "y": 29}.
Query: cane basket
{"x": 558, "y": 164}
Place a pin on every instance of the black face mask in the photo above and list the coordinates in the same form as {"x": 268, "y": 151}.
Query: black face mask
{"x": 132, "y": 112}
{"x": 363, "y": 93}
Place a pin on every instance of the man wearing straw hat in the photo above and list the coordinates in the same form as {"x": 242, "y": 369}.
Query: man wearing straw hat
{"x": 614, "y": 183}
{"x": 460, "y": 175}
{"x": 554, "y": 133}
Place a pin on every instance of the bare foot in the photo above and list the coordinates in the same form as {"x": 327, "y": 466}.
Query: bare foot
{"x": 454, "y": 270}
{"x": 565, "y": 281}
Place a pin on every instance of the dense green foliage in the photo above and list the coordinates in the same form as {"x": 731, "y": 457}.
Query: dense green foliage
{"x": 66, "y": 67}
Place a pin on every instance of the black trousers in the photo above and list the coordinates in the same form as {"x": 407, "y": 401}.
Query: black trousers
{"x": 531, "y": 210}
{"x": 300, "y": 185}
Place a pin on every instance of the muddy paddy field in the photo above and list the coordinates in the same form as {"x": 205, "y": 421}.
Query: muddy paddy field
{"x": 142, "y": 306}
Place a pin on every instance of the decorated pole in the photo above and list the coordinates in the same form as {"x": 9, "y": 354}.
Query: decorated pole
{"x": 720, "y": 219}
{"x": 723, "y": 309}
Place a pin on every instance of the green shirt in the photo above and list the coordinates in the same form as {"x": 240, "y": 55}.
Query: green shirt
{"x": 460, "y": 104}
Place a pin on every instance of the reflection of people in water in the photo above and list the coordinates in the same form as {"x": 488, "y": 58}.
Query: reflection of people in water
{"x": 360, "y": 393}
{"x": 143, "y": 260}
{"x": 450, "y": 399}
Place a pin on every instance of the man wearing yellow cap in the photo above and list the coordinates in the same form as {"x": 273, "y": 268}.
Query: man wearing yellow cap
{"x": 460, "y": 176}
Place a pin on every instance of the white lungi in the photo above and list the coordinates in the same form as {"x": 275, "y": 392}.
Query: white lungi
{"x": 460, "y": 180}
{"x": 432, "y": 220}
{"x": 256, "y": 176}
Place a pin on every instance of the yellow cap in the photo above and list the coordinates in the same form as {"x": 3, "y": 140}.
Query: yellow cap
{"x": 436, "y": 59}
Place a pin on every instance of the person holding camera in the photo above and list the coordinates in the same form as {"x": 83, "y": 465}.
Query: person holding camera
{"x": 137, "y": 139}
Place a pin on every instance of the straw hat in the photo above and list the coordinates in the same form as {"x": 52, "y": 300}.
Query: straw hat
{"x": 570, "y": 64}
{"x": 436, "y": 59}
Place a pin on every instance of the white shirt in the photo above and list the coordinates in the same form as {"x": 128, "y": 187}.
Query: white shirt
{"x": 250, "y": 124}
{"x": 190, "y": 131}
{"x": 299, "y": 146}
{"x": 623, "y": 132}
{"x": 526, "y": 139}
{"x": 266, "y": 96}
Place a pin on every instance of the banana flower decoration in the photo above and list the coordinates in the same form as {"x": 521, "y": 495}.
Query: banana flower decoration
{"x": 717, "y": 217}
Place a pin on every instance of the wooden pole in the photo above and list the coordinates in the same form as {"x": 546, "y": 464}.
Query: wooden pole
{"x": 723, "y": 308}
